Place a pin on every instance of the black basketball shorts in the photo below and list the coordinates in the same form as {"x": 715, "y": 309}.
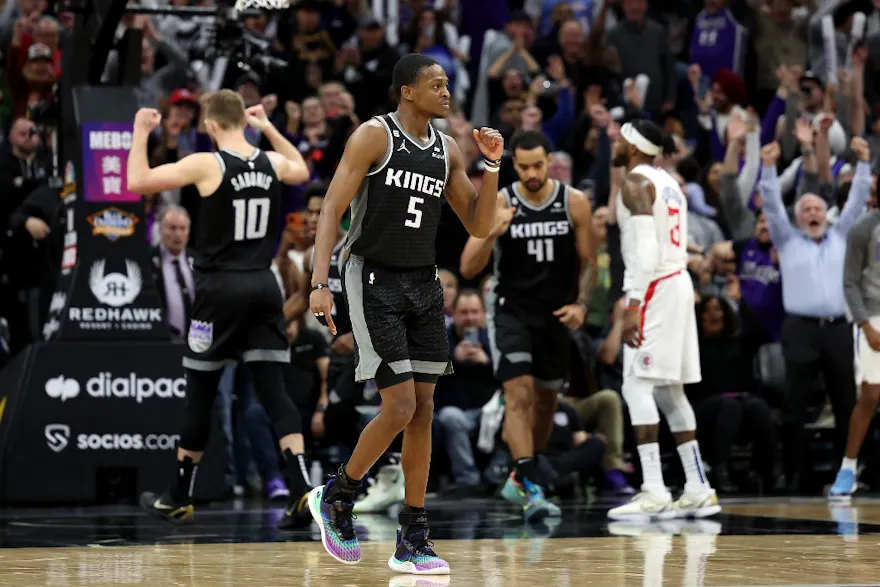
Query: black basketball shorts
{"x": 236, "y": 315}
{"x": 397, "y": 320}
{"x": 525, "y": 344}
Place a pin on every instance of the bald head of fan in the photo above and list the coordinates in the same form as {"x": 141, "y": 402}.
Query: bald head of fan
{"x": 641, "y": 141}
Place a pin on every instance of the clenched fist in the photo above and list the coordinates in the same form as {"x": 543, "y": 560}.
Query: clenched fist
{"x": 147, "y": 119}
{"x": 860, "y": 148}
{"x": 770, "y": 154}
{"x": 502, "y": 221}
{"x": 256, "y": 117}
{"x": 490, "y": 142}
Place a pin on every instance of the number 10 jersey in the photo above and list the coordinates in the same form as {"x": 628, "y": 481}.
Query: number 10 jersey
{"x": 670, "y": 222}
{"x": 536, "y": 260}
{"x": 239, "y": 222}
{"x": 396, "y": 212}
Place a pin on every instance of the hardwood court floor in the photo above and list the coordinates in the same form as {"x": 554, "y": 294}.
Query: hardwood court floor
{"x": 753, "y": 543}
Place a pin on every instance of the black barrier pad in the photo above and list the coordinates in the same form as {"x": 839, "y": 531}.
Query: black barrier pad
{"x": 99, "y": 422}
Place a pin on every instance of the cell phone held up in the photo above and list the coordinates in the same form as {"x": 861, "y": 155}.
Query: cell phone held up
{"x": 472, "y": 335}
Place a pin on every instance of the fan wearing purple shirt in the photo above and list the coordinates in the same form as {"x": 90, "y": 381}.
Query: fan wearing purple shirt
{"x": 757, "y": 268}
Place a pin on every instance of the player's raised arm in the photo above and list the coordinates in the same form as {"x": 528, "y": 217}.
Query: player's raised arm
{"x": 573, "y": 315}
{"x": 142, "y": 179}
{"x": 476, "y": 210}
{"x": 364, "y": 148}
{"x": 477, "y": 251}
{"x": 289, "y": 163}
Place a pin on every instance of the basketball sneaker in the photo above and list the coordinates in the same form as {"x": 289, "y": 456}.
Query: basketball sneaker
{"x": 538, "y": 507}
{"x": 645, "y": 506}
{"x": 276, "y": 490}
{"x": 415, "y": 554}
{"x": 386, "y": 490}
{"x": 162, "y": 506}
{"x": 336, "y": 522}
{"x": 697, "y": 504}
{"x": 297, "y": 514}
{"x": 844, "y": 486}
{"x": 513, "y": 491}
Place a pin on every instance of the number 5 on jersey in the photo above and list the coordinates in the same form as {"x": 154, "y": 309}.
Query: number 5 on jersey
{"x": 251, "y": 218}
{"x": 416, "y": 221}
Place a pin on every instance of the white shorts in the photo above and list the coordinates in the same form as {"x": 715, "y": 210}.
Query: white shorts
{"x": 867, "y": 359}
{"x": 670, "y": 352}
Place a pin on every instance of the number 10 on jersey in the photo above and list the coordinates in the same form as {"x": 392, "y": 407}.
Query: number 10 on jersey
{"x": 251, "y": 218}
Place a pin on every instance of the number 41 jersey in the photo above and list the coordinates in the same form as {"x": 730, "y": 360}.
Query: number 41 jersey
{"x": 536, "y": 260}
{"x": 239, "y": 223}
{"x": 395, "y": 214}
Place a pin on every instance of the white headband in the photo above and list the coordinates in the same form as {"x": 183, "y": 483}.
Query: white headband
{"x": 638, "y": 140}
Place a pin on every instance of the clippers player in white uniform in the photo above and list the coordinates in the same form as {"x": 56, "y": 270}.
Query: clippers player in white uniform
{"x": 237, "y": 312}
{"x": 660, "y": 328}
{"x": 394, "y": 172}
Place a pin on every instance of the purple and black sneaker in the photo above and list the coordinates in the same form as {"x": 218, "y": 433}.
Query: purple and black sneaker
{"x": 337, "y": 527}
{"x": 415, "y": 555}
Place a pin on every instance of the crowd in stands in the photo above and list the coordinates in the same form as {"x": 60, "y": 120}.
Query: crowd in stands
{"x": 764, "y": 123}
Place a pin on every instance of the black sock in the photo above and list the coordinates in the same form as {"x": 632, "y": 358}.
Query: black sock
{"x": 412, "y": 519}
{"x": 297, "y": 473}
{"x": 182, "y": 488}
{"x": 527, "y": 468}
{"x": 344, "y": 488}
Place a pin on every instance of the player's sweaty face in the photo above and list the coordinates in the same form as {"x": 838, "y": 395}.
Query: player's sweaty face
{"x": 532, "y": 166}
{"x": 432, "y": 91}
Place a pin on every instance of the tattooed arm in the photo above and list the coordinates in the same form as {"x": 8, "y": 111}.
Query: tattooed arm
{"x": 573, "y": 315}
{"x": 638, "y": 197}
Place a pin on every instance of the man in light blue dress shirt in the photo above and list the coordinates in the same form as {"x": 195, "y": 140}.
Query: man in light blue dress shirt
{"x": 816, "y": 336}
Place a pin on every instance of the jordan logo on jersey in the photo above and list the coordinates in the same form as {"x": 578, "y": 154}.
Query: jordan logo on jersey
{"x": 430, "y": 186}
{"x": 536, "y": 229}
{"x": 251, "y": 179}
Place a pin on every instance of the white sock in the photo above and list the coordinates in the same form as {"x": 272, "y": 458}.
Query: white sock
{"x": 849, "y": 464}
{"x": 692, "y": 462}
{"x": 652, "y": 473}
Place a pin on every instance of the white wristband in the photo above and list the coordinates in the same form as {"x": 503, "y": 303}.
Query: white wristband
{"x": 488, "y": 169}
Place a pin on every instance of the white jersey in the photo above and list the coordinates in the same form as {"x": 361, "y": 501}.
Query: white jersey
{"x": 670, "y": 222}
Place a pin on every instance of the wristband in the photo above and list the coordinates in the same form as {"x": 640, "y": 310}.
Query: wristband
{"x": 319, "y": 286}
{"x": 489, "y": 169}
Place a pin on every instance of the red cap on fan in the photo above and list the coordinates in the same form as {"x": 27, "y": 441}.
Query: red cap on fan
{"x": 183, "y": 96}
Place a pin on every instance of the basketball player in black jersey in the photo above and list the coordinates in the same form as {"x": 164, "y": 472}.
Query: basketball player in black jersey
{"x": 543, "y": 233}
{"x": 394, "y": 171}
{"x": 238, "y": 301}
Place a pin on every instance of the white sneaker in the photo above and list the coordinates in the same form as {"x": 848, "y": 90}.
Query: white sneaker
{"x": 645, "y": 506}
{"x": 692, "y": 504}
{"x": 387, "y": 490}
